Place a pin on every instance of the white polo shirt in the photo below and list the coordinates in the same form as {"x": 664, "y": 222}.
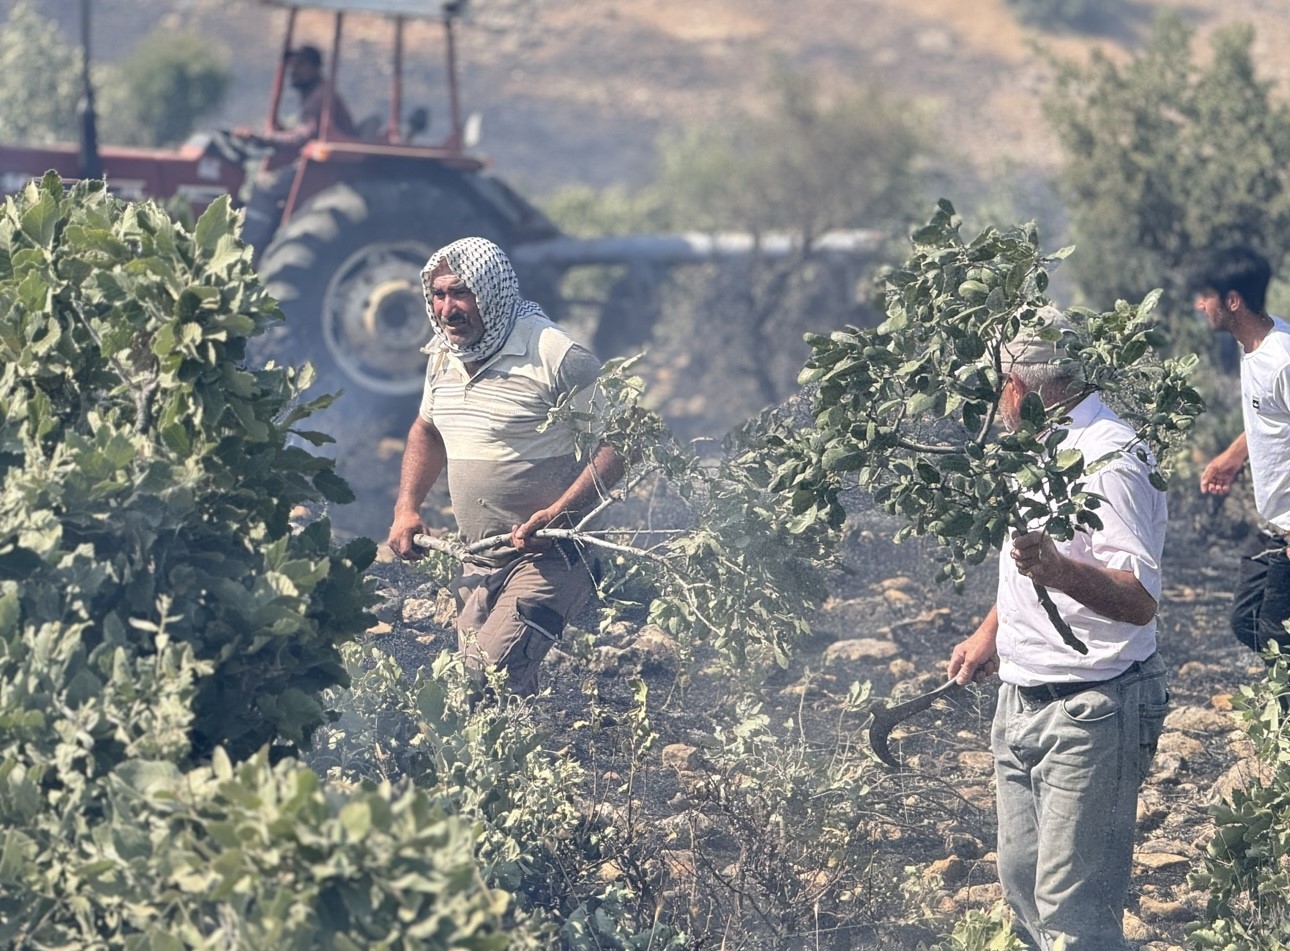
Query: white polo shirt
{"x": 1265, "y": 407}
{"x": 1132, "y": 538}
{"x": 504, "y": 462}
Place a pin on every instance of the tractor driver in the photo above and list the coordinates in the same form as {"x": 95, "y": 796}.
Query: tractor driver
{"x": 272, "y": 183}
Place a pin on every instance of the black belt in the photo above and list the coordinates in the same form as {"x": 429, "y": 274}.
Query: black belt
{"x": 1043, "y": 693}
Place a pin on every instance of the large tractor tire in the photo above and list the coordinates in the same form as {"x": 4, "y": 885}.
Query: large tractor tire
{"x": 346, "y": 270}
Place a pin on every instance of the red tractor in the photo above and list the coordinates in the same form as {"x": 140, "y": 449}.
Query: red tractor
{"x": 363, "y": 213}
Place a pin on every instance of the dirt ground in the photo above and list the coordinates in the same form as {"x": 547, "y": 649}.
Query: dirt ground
{"x": 887, "y": 623}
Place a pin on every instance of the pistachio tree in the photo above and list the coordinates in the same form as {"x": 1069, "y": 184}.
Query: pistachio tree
{"x": 693, "y": 530}
{"x": 908, "y": 410}
{"x": 166, "y": 634}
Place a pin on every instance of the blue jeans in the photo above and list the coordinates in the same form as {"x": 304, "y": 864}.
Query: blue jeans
{"x": 1068, "y": 772}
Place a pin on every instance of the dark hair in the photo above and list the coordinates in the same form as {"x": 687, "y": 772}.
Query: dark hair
{"x": 310, "y": 54}
{"x": 1240, "y": 269}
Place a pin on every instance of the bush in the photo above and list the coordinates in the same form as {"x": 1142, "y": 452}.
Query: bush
{"x": 1147, "y": 176}
{"x": 983, "y": 931}
{"x": 1064, "y": 12}
{"x": 148, "y": 484}
{"x": 1246, "y": 867}
{"x": 167, "y": 86}
{"x": 536, "y": 835}
{"x": 249, "y": 856}
{"x": 160, "y": 621}
{"x": 41, "y": 79}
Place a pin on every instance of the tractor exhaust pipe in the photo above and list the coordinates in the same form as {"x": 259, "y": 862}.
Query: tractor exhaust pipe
{"x": 88, "y": 162}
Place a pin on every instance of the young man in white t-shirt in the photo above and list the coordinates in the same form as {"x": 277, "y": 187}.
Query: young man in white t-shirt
{"x": 1231, "y": 289}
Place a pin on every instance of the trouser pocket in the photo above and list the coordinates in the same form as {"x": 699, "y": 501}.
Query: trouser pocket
{"x": 541, "y": 618}
{"x": 1152, "y": 706}
{"x": 535, "y": 628}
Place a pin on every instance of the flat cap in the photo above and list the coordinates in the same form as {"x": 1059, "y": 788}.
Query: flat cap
{"x": 1043, "y": 345}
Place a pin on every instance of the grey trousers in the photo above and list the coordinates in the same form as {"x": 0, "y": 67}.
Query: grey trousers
{"x": 1068, "y": 773}
{"x": 510, "y": 617}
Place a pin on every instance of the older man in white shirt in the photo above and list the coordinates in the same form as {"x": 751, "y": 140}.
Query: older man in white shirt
{"x": 1074, "y": 734}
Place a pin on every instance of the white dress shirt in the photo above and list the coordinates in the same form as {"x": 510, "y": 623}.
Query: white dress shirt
{"x": 1131, "y": 538}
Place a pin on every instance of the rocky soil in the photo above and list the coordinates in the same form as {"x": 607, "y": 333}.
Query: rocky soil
{"x": 887, "y": 624}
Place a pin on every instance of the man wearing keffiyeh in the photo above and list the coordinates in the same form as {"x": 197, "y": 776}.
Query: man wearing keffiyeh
{"x": 497, "y": 366}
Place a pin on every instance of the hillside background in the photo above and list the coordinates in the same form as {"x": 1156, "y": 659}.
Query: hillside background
{"x": 580, "y": 91}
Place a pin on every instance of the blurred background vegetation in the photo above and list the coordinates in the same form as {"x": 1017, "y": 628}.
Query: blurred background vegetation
{"x": 1176, "y": 147}
{"x": 156, "y": 97}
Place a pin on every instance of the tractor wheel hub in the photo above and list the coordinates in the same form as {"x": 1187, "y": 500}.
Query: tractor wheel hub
{"x": 374, "y": 319}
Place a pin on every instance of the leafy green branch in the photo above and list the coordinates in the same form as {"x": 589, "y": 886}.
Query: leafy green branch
{"x": 697, "y": 539}
{"x": 907, "y": 410}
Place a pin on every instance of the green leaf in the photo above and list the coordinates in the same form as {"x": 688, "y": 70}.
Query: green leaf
{"x": 1033, "y": 413}
{"x": 34, "y": 295}
{"x": 215, "y": 223}
{"x": 146, "y": 776}
{"x": 1069, "y": 461}
{"x": 40, "y": 220}
{"x": 333, "y": 488}
{"x": 843, "y": 458}
{"x": 920, "y": 403}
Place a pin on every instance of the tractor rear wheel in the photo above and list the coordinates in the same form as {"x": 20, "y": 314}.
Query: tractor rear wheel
{"x": 346, "y": 271}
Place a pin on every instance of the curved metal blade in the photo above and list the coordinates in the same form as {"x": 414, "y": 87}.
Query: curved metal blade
{"x": 885, "y": 718}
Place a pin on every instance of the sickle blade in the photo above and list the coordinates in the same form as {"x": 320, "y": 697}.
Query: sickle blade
{"x": 885, "y": 719}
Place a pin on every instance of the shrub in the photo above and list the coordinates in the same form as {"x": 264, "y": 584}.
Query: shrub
{"x": 250, "y": 856}
{"x": 1246, "y": 868}
{"x": 148, "y": 484}
{"x": 164, "y": 89}
{"x": 1145, "y": 174}
{"x": 537, "y": 836}
{"x": 41, "y": 79}
{"x": 983, "y": 931}
{"x": 165, "y": 635}
{"x": 1063, "y": 12}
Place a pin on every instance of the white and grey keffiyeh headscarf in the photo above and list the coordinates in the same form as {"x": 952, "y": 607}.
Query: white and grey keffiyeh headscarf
{"x": 486, "y": 270}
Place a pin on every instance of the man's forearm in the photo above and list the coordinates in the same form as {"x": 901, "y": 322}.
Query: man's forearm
{"x": 424, "y": 458}
{"x": 599, "y": 476}
{"x": 1113, "y": 593}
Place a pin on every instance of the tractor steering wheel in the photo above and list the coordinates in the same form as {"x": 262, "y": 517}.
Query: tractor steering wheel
{"x": 236, "y": 147}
